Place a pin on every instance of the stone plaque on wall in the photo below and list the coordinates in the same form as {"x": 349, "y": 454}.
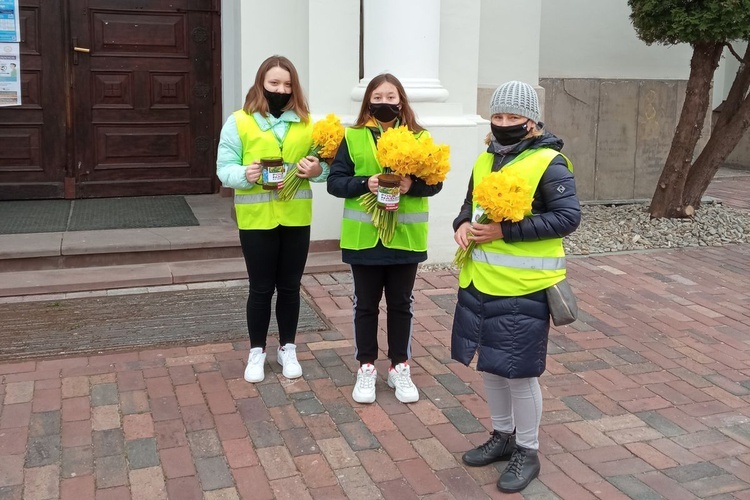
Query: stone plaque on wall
{"x": 617, "y": 132}
{"x": 616, "y": 139}
{"x": 570, "y": 112}
{"x": 657, "y": 114}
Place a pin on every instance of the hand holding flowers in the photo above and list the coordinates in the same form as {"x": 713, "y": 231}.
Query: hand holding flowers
{"x": 326, "y": 135}
{"x": 502, "y": 195}
{"x": 400, "y": 152}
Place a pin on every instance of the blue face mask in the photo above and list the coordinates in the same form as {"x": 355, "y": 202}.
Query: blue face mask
{"x": 511, "y": 134}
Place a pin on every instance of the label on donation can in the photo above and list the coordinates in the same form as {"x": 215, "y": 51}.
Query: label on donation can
{"x": 389, "y": 191}
{"x": 272, "y": 172}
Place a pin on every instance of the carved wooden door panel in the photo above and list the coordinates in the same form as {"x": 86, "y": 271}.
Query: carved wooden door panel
{"x": 33, "y": 147}
{"x": 143, "y": 95}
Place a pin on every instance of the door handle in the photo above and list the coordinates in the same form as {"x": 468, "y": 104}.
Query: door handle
{"x": 77, "y": 50}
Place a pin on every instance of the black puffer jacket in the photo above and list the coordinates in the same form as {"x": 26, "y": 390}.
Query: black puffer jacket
{"x": 511, "y": 332}
{"x": 556, "y": 209}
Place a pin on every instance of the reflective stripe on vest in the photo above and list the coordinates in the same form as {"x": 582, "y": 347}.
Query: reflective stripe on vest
{"x": 499, "y": 259}
{"x": 257, "y": 208}
{"x": 518, "y": 268}
{"x": 357, "y": 230}
{"x": 249, "y": 199}
{"x": 414, "y": 218}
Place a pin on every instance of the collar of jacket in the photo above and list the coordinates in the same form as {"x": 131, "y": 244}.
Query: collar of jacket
{"x": 269, "y": 121}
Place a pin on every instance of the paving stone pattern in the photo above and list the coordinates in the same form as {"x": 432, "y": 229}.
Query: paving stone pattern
{"x": 646, "y": 396}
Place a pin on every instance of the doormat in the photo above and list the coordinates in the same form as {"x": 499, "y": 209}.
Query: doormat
{"x": 45, "y": 216}
{"x": 95, "y": 325}
{"x": 39, "y": 216}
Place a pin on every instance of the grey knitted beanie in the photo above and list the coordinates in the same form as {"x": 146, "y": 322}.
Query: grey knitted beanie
{"x": 517, "y": 98}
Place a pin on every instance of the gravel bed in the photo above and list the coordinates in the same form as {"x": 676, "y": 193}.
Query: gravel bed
{"x": 618, "y": 228}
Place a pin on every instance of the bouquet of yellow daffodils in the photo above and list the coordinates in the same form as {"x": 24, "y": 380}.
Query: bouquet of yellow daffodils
{"x": 401, "y": 153}
{"x": 502, "y": 195}
{"x": 326, "y": 135}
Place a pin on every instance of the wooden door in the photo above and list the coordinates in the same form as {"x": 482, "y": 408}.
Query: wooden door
{"x": 120, "y": 98}
{"x": 33, "y": 140}
{"x": 144, "y": 95}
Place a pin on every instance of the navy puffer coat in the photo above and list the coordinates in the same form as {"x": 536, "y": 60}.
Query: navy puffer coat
{"x": 511, "y": 333}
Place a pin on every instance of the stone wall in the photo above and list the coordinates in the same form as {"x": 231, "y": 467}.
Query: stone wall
{"x": 617, "y": 133}
{"x": 740, "y": 157}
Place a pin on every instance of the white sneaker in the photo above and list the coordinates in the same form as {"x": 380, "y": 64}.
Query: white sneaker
{"x": 287, "y": 358}
{"x": 364, "y": 389}
{"x": 399, "y": 377}
{"x": 254, "y": 371}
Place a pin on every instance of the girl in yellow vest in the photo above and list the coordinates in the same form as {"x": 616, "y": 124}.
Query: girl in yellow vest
{"x": 377, "y": 267}
{"x": 502, "y": 308}
{"x": 275, "y": 235}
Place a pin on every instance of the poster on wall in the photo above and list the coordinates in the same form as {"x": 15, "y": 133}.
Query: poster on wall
{"x": 10, "y": 75}
{"x": 9, "y": 24}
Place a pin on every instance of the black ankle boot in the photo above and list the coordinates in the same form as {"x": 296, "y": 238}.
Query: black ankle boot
{"x": 521, "y": 470}
{"x": 499, "y": 447}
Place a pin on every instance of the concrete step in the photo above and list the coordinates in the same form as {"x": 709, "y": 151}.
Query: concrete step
{"x": 41, "y": 263}
{"x": 50, "y": 281}
{"x": 80, "y": 261}
{"x": 78, "y": 249}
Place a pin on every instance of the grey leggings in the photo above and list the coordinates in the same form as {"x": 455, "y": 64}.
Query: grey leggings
{"x": 515, "y": 403}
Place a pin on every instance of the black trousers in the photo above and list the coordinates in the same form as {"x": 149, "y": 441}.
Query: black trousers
{"x": 369, "y": 283}
{"x": 275, "y": 260}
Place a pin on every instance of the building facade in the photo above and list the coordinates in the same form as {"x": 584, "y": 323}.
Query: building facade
{"x": 127, "y": 97}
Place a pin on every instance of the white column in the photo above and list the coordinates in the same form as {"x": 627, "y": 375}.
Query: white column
{"x": 432, "y": 46}
{"x": 232, "y": 94}
{"x": 403, "y": 38}
{"x": 522, "y": 31}
{"x": 333, "y": 55}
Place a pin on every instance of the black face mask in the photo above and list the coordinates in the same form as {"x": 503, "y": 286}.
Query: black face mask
{"x": 384, "y": 112}
{"x": 510, "y": 135}
{"x": 276, "y": 101}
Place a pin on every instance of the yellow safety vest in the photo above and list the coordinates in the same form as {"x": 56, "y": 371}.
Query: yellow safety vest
{"x": 257, "y": 208}
{"x": 517, "y": 268}
{"x": 357, "y": 230}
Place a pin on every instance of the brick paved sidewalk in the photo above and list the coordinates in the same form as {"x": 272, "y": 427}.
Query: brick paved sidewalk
{"x": 647, "y": 396}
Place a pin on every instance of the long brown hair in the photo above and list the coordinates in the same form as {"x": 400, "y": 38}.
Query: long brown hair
{"x": 256, "y": 101}
{"x": 406, "y": 116}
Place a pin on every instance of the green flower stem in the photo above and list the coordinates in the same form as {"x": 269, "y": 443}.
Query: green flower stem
{"x": 291, "y": 181}
{"x": 291, "y": 185}
{"x": 462, "y": 256}
{"x": 383, "y": 220}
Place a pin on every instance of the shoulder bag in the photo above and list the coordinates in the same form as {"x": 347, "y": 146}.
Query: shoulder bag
{"x": 562, "y": 303}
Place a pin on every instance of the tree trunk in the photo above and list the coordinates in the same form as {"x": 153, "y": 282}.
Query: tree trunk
{"x": 668, "y": 196}
{"x": 737, "y": 92}
{"x": 733, "y": 121}
{"x": 722, "y": 142}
